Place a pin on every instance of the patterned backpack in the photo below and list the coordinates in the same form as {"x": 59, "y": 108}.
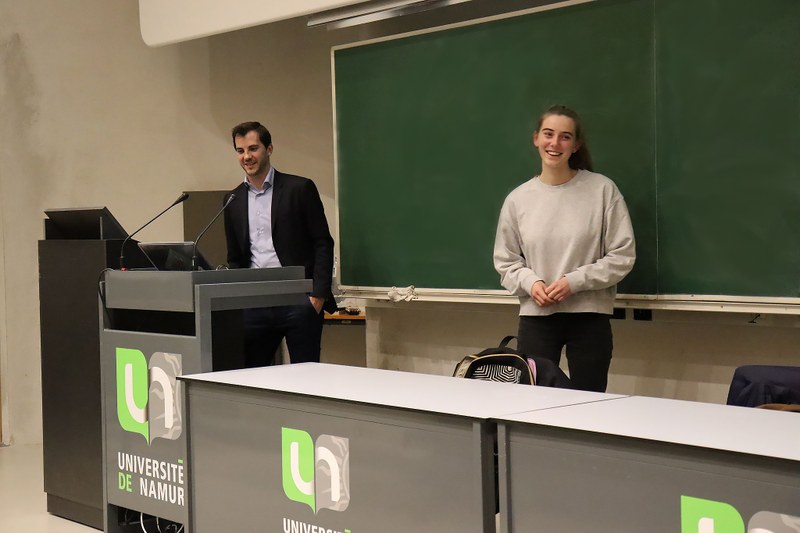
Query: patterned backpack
{"x": 506, "y": 365}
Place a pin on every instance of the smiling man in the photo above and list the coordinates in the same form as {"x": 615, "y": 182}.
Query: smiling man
{"x": 275, "y": 220}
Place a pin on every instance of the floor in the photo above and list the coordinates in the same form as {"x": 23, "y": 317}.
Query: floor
{"x": 22, "y": 498}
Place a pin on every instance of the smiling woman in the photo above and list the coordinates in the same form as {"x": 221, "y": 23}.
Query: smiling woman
{"x": 564, "y": 240}
{"x": 562, "y": 144}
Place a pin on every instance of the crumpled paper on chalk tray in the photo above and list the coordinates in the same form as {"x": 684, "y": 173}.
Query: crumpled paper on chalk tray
{"x": 402, "y": 294}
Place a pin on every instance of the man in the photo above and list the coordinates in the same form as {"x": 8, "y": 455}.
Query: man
{"x": 275, "y": 220}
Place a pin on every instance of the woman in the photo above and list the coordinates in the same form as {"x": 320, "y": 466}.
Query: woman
{"x": 564, "y": 240}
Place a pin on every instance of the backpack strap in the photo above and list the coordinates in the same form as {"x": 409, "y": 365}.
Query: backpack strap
{"x": 462, "y": 367}
{"x": 506, "y": 340}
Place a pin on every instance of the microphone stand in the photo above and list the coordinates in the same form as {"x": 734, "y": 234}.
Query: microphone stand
{"x": 182, "y": 198}
{"x": 194, "y": 248}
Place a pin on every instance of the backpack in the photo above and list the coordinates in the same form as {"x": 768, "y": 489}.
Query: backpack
{"x": 506, "y": 365}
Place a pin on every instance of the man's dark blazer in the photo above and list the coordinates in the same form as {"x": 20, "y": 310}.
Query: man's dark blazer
{"x": 300, "y": 231}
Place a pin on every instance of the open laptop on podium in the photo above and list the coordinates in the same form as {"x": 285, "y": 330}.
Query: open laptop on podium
{"x": 173, "y": 255}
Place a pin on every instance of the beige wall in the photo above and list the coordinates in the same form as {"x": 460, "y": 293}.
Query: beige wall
{"x": 3, "y": 359}
{"x": 91, "y": 116}
{"x": 682, "y": 355}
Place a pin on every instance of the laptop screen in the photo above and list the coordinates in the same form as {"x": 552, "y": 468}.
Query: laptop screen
{"x": 173, "y": 255}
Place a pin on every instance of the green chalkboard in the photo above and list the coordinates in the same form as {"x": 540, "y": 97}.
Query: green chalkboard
{"x": 728, "y": 119}
{"x": 694, "y": 117}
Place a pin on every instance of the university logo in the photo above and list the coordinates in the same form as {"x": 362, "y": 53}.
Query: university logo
{"x": 707, "y": 516}
{"x": 148, "y": 396}
{"x": 316, "y": 474}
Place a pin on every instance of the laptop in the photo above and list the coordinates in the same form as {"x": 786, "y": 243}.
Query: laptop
{"x": 173, "y": 255}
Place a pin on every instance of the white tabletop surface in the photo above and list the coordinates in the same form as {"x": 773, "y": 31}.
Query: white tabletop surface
{"x": 422, "y": 392}
{"x": 723, "y": 427}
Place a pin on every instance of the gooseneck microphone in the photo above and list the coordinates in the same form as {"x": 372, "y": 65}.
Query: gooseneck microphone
{"x": 182, "y": 198}
{"x": 194, "y": 248}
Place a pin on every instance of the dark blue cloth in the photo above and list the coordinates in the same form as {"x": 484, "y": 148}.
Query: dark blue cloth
{"x": 265, "y": 328}
{"x": 755, "y": 385}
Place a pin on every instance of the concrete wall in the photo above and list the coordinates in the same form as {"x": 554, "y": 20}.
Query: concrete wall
{"x": 89, "y": 116}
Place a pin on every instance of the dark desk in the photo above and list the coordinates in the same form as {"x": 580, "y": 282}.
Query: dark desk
{"x": 167, "y": 332}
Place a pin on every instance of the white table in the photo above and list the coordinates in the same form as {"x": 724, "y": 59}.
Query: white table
{"x": 640, "y": 464}
{"x": 406, "y": 390}
{"x": 419, "y": 448}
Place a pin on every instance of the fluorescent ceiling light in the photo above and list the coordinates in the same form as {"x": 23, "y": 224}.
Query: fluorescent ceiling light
{"x": 374, "y": 11}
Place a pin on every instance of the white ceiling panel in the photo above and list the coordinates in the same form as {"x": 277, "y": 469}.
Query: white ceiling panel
{"x": 171, "y": 21}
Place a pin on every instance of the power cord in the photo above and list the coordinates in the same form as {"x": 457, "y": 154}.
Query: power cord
{"x": 129, "y": 519}
{"x": 172, "y": 525}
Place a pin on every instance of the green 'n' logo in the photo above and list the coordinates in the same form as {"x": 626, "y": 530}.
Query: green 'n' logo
{"x": 316, "y": 474}
{"x": 708, "y": 516}
{"x": 148, "y": 395}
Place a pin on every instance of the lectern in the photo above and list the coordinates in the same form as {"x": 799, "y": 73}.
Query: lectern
{"x": 155, "y": 327}
{"x": 78, "y": 244}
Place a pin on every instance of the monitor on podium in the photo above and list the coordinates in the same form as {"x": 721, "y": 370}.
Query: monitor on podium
{"x": 174, "y": 255}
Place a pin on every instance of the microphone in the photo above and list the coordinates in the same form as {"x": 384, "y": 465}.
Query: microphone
{"x": 182, "y": 198}
{"x": 194, "y": 249}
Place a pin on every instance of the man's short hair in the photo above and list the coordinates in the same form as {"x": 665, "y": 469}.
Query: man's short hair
{"x": 240, "y": 130}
